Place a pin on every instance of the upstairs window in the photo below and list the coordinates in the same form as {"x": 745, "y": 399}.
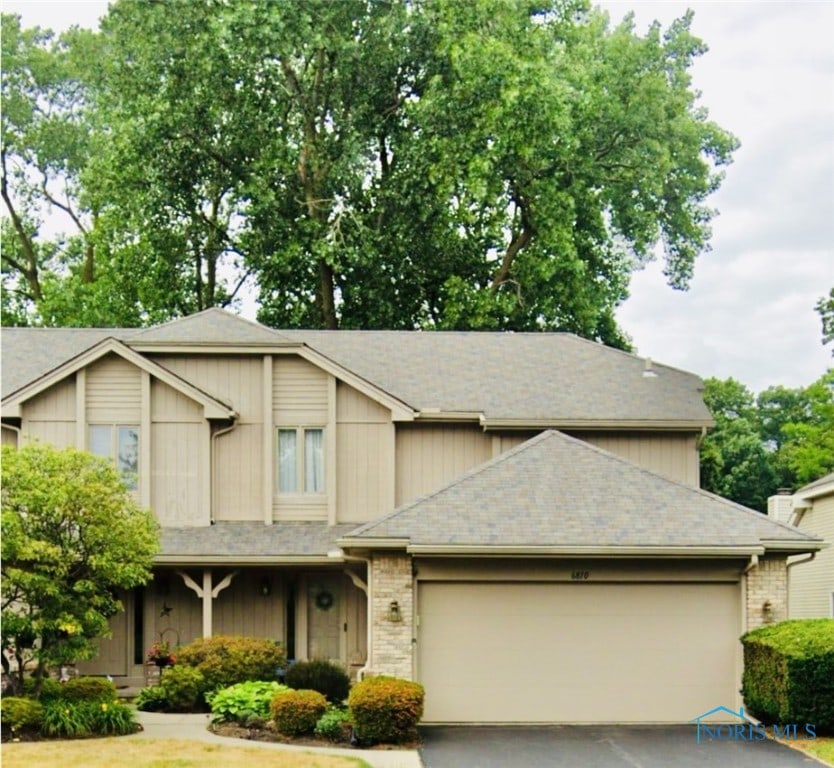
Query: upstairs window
{"x": 120, "y": 444}
{"x": 300, "y": 460}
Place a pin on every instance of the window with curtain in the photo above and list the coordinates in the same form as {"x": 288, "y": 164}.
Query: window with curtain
{"x": 120, "y": 444}
{"x": 300, "y": 460}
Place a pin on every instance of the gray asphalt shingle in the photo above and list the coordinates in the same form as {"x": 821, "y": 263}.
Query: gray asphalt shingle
{"x": 555, "y": 491}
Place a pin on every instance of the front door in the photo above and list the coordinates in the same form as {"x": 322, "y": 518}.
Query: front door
{"x": 326, "y": 617}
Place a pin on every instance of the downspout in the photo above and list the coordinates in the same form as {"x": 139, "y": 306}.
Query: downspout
{"x": 14, "y": 429}
{"x": 213, "y": 448}
{"x": 370, "y": 618}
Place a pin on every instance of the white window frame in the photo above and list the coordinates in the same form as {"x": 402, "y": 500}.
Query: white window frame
{"x": 129, "y": 478}
{"x": 302, "y": 481}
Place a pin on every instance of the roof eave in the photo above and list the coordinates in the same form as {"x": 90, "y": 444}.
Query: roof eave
{"x": 228, "y": 560}
{"x": 647, "y": 425}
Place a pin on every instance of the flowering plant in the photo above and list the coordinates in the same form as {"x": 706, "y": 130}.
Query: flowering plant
{"x": 161, "y": 651}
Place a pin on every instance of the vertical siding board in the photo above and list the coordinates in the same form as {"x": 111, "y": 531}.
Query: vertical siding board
{"x": 364, "y": 473}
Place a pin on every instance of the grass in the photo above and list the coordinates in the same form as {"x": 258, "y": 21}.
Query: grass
{"x": 161, "y": 753}
{"x": 822, "y": 748}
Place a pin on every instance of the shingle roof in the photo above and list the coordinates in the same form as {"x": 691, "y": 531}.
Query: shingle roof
{"x": 558, "y": 378}
{"x": 524, "y": 376}
{"x": 223, "y": 542}
{"x": 557, "y": 491}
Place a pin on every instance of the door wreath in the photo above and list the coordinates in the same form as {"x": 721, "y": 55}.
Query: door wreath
{"x": 324, "y": 600}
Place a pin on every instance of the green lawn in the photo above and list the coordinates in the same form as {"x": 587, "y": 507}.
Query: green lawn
{"x": 823, "y": 748}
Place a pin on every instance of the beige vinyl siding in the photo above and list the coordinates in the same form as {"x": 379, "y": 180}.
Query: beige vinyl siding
{"x": 357, "y": 628}
{"x": 673, "y": 455}
{"x": 241, "y": 609}
{"x": 113, "y": 392}
{"x": 365, "y": 457}
{"x": 235, "y": 379}
{"x": 179, "y": 458}
{"x": 299, "y": 392}
{"x": 429, "y": 456}
{"x": 811, "y": 584}
{"x": 238, "y": 468}
{"x": 9, "y": 437}
{"x": 50, "y": 416}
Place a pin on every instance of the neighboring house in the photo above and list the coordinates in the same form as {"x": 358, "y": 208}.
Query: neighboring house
{"x": 811, "y": 581}
{"x": 511, "y": 519}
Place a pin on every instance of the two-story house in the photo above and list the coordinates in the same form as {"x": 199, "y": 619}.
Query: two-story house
{"x": 514, "y": 520}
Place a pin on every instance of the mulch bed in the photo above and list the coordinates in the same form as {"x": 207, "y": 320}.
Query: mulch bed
{"x": 268, "y": 734}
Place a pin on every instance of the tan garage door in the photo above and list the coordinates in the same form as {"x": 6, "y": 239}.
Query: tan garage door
{"x": 510, "y": 652}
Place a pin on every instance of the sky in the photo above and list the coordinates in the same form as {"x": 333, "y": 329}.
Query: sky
{"x": 768, "y": 77}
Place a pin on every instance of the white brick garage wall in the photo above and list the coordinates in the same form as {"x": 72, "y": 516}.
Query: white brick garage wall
{"x": 589, "y": 652}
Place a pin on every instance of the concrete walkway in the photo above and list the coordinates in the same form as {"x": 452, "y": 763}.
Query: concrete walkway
{"x": 157, "y": 725}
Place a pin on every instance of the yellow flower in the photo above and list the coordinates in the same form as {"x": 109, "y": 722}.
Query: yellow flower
{"x": 103, "y": 707}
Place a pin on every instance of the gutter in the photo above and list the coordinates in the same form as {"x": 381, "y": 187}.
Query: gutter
{"x": 213, "y": 462}
{"x": 369, "y": 619}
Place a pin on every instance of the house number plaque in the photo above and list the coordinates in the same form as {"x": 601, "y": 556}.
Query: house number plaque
{"x": 579, "y": 575}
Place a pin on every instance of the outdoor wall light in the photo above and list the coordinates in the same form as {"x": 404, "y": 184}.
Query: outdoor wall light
{"x": 266, "y": 588}
{"x": 394, "y": 611}
{"x": 767, "y": 610}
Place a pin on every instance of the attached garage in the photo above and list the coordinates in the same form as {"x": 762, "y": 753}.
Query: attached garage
{"x": 577, "y": 652}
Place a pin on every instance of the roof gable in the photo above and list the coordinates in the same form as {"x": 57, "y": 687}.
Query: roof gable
{"x": 213, "y": 408}
{"x": 211, "y": 326}
{"x": 560, "y": 494}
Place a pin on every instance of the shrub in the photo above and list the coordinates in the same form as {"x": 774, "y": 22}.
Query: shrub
{"x": 225, "y": 660}
{"x": 296, "y": 713}
{"x": 88, "y": 689}
{"x": 320, "y": 675}
{"x": 51, "y": 689}
{"x": 67, "y": 720}
{"x": 21, "y": 714}
{"x": 386, "y": 709}
{"x": 789, "y": 672}
{"x": 184, "y": 689}
{"x": 153, "y": 699}
{"x": 111, "y": 718}
{"x": 244, "y": 702}
{"x": 333, "y": 725}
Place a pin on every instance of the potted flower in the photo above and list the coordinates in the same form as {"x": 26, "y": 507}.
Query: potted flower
{"x": 160, "y": 654}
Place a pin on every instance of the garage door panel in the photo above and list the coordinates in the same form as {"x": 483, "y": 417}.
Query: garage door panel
{"x": 511, "y": 652}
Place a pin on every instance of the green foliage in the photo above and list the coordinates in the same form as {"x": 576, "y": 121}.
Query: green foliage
{"x": 72, "y": 537}
{"x": 225, "y": 660}
{"x": 242, "y": 702}
{"x": 111, "y": 718}
{"x": 784, "y": 438}
{"x": 21, "y": 714}
{"x": 153, "y": 699}
{"x": 50, "y": 688}
{"x": 67, "y": 720}
{"x": 825, "y": 308}
{"x": 185, "y": 688}
{"x": 363, "y": 162}
{"x": 386, "y": 709}
{"x": 789, "y": 672}
{"x": 333, "y": 725}
{"x": 95, "y": 689}
{"x": 320, "y": 675}
{"x": 295, "y": 713}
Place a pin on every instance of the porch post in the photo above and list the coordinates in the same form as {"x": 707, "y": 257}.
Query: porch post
{"x": 207, "y": 601}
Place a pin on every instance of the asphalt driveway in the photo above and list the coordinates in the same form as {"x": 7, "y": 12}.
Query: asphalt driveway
{"x": 589, "y": 746}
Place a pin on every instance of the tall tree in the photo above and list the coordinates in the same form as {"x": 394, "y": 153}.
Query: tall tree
{"x": 825, "y": 307}
{"x": 72, "y": 537}
{"x": 402, "y": 164}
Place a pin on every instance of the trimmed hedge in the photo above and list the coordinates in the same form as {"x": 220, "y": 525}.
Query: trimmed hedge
{"x": 21, "y": 714}
{"x": 386, "y": 709}
{"x": 296, "y": 713}
{"x": 789, "y": 672}
{"x": 88, "y": 689}
{"x": 224, "y": 660}
{"x": 320, "y": 675}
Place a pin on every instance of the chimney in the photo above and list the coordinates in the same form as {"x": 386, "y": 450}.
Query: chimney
{"x": 780, "y": 506}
